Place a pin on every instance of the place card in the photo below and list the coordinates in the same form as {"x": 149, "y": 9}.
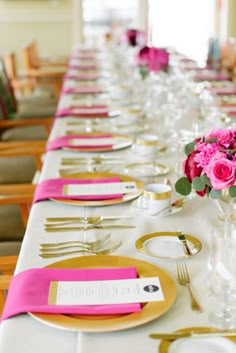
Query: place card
{"x": 137, "y": 290}
{"x": 99, "y": 188}
{"x": 108, "y": 141}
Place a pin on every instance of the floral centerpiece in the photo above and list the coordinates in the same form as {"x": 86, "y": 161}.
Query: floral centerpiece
{"x": 210, "y": 165}
{"x": 152, "y": 59}
{"x": 133, "y": 37}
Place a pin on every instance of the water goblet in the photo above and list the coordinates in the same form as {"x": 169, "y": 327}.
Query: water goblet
{"x": 222, "y": 279}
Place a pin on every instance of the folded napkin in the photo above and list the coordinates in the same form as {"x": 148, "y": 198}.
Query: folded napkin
{"x": 82, "y": 76}
{"x": 221, "y": 91}
{"x": 230, "y": 109}
{"x": 84, "y": 111}
{"x": 83, "y": 89}
{"x": 212, "y": 76}
{"x": 29, "y": 291}
{"x": 83, "y": 56}
{"x": 64, "y": 141}
{"x": 53, "y": 188}
{"x": 83, "y": 66}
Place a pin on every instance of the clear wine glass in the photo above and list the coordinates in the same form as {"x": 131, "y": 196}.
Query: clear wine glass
{"x": 222, "y": 275}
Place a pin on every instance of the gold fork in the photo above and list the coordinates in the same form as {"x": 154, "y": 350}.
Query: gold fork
{"x": 76, "y": 243}
{"x": 106, "y": 251}
{"x": 184, "y": 280}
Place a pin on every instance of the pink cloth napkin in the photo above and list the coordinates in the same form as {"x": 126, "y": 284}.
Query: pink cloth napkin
{"x": 29, "y": 291}
{"x": 84, "y": 111}
{"x": 82, "y": 76}
{"x": 221, "y": 91}
{"x": 83, "y": 89}
{"x": 212, "y": 76}
{"x": 64, "y": 141}
{"x": 53, "y": 188}
{"x": 230, "y": 109}
{"x": 84, "y": 56}
{"x": 83, "y": 66}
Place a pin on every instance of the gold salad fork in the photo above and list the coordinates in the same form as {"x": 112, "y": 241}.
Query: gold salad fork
{"x": 184, "y": 280}
{"x": 58, "y": 253}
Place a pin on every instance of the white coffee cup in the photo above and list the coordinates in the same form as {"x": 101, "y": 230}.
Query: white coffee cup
{"x": 146, "y": 144}
{"x": 156, "y": 197}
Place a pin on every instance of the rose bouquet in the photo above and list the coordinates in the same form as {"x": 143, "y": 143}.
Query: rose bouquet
{"x": 133, "y": 37}
{"x": 152, "y": 59}
{"x": 210, "y": 165}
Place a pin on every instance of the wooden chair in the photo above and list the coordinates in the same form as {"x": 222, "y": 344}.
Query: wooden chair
{"x": 22, "y": 129}
{"x": 11, "y": 194}
{"x": 50, "y": 76}
{"x": 39, "y": 62}
{"x": 23, "y": 107}
{"x": 7, "y": 268}
{"x": 21, "y": 85}
{"x": 227, "y": 53}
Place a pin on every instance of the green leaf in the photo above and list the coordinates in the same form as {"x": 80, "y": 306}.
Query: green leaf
{"x": 183, "y": 186}
{"x": 189, "y": 147}
{"x": 198, "y": 184}
{"x": 232, "y": 191}
{"x": 215, "y": 194}
{"x": 205, "y": 179}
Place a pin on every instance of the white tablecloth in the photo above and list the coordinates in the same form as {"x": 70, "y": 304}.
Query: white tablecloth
{"x": 25, "y": 334}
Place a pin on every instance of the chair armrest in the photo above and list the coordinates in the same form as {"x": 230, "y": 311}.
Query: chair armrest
{"x": 7, "y": 264}
{"x": 46, "y": 122}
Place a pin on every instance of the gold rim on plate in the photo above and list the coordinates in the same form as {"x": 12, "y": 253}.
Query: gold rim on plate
{"x": 141, "y": 244}
{"x": 107, "y": 323}
{"x": 164, "y": 345}
{"x": 90, "y": 175}
{"x": 120, "y": 145}
{"x": 158, "y": 168}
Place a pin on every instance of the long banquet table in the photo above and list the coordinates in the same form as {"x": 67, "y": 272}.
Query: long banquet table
{"x": 23, "y": 333}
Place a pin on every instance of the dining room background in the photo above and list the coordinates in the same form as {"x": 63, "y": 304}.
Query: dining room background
{"x": 75, "y": 20}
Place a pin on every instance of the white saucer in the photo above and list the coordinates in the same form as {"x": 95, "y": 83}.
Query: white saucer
{"x": 168, "y": 212}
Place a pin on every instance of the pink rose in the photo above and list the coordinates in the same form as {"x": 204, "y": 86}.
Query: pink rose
{"x": 142, "y": 58}
{"x": 158, "y": 59}
{"x": 192, "y": 169}
{"x": 221, "y": 172}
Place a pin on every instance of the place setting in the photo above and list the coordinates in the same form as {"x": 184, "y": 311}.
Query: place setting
{"x": 90, "y": 142}
{"x": 89, "y": 189}
{"x": 152, "y": 295}
{"x": 87, "y": 111}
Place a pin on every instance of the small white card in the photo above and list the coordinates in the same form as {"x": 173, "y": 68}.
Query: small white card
{"x": 94, "y": 141}
{"x": 135, "y": 290}
{"x": 100, "y": 188}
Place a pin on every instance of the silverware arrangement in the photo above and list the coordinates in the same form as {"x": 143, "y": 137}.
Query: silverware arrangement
{"x": 60, "y": 224}
{"x": 46, "y": 253}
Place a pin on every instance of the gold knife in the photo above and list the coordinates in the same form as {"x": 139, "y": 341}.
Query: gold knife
{"x": 66, "y": 229}
{"x": 176, "y": 335}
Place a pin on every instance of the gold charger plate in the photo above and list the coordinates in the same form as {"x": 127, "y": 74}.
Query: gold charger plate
{"x": 125, "y": 142}
{"x": 90, "y": 175}
{"x": 106, "y": 323}
{"x": 166, "y": 245}
{"x": 164, "y": 345}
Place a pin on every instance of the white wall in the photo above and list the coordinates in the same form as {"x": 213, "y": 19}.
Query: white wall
{"x": 47, "y": 21}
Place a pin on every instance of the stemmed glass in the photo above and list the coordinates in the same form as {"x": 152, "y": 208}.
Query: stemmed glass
{"x": 222, "y": 271}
